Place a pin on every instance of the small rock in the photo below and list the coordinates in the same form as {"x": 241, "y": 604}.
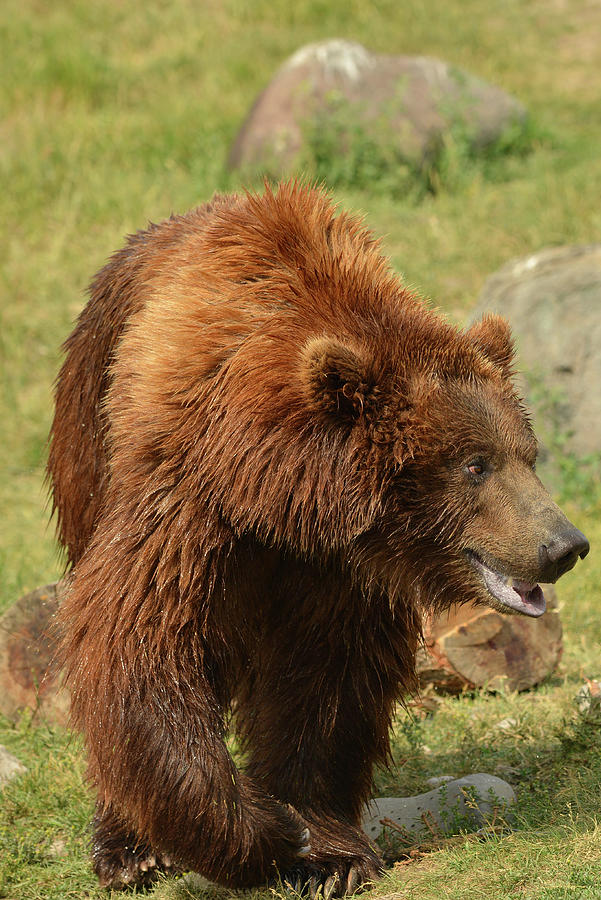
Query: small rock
{"x": 506, "y": 724}
{"x": 588, "y": 699}
{"x": 508, "y": 772}
{"x": 10, "y": 766}
{"x": 437, "y": 780}
{"x": 57, "y": 848}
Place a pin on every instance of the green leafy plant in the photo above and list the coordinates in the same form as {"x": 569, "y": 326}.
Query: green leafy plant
{"x": 346, "y": 149}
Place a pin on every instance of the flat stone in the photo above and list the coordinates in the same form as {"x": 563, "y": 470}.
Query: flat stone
{"x": 446, "y": 808}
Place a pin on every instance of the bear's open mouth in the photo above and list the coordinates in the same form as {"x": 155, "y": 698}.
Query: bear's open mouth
{"x": 521, "y": 596}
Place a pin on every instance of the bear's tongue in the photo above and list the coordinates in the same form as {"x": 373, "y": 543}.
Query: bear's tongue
{"x": 520, "y": 596}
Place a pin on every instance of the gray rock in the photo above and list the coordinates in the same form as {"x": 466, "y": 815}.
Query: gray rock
{"x": 10, "y": 766}
{"x": 58, "y": 848}
{"x": 507, "y": 724}
{"x": 472, "y": 801}
{"x": 408, "y": 101}
{"x": 588, "y": 700}
{"x": 437, "y": 780}
{"x": 553, "y": 302}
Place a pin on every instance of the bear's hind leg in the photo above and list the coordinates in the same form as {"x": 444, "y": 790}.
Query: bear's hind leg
{"x": 120, "y": 859}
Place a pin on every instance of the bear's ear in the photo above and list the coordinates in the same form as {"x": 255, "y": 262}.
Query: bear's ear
{"x": 336, "y": 378}
{"x": 492, "y": 336}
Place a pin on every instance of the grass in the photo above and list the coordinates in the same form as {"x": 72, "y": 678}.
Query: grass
{"x": 114, "y": 114}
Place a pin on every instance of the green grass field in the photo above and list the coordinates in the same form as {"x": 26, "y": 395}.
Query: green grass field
{"x": 114, "y": 114}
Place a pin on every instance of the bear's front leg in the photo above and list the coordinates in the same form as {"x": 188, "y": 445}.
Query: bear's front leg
{"x": 149, "y": 695}
{"x": 120, "y": 858}
{"x": 179, "y": 801}
{"x": 341, "y": 858}
{"x": 314, "y": 715}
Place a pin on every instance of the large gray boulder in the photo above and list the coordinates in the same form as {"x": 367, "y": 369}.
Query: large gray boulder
{"x": 409, "y": 101}
{"x": 553, "y": 302}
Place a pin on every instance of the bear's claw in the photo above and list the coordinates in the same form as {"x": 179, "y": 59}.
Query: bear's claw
{"x": 313, "y": 882}
{"x": 126, "y": 869}
{"x": 306, "y": 843}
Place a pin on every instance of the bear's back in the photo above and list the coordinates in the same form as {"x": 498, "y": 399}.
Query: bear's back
{"x": 77, "y": 459}
{"x": 221, "y": 299}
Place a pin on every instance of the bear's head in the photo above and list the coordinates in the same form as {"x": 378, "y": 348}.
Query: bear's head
{"x": 445, "y": 500}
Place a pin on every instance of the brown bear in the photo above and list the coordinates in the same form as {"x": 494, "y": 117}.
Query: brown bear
{"x": 268, "y": 459}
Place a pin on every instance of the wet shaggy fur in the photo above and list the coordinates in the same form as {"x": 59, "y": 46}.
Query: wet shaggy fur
{"x": 257, "y": 462}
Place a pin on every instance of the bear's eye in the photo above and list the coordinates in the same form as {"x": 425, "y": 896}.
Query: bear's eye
{"x": 477, "y": 468}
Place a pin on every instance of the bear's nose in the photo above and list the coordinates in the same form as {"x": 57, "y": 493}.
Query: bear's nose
{"x": 561, "y": 553}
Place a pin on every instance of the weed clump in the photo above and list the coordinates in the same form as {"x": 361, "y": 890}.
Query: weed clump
{"x": 345, "y": 152}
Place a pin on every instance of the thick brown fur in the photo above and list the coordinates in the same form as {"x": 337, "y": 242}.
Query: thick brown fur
{"x": 258, "y": 464}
